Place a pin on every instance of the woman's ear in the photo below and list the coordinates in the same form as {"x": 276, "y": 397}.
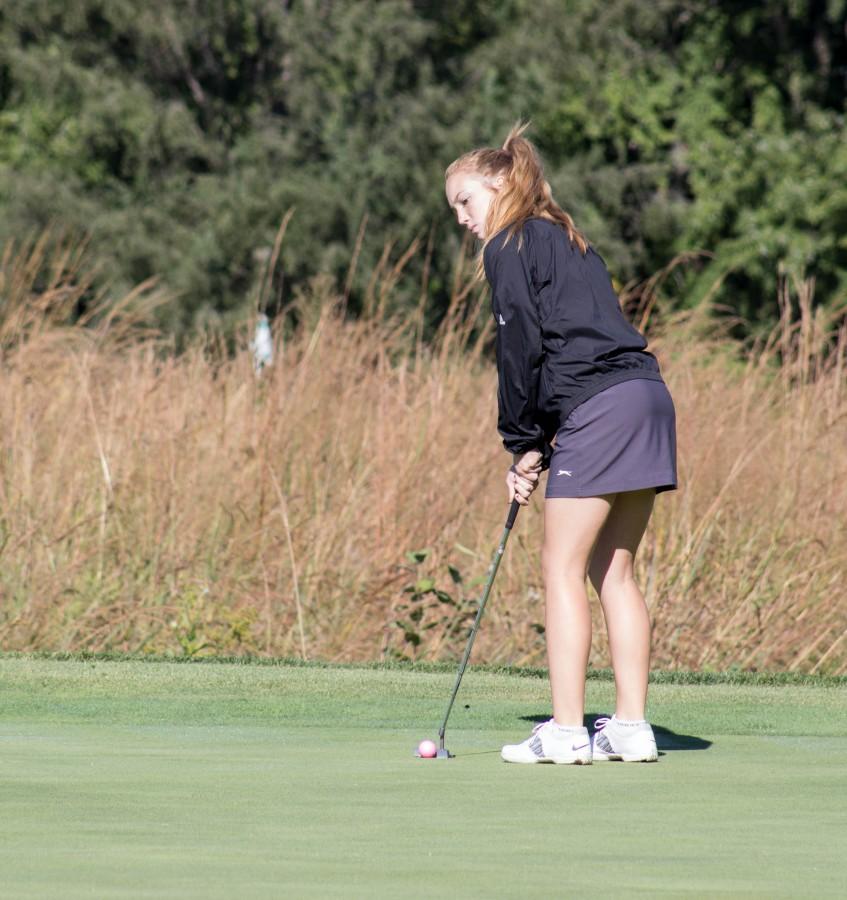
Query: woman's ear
{"x": 499, "y": 181}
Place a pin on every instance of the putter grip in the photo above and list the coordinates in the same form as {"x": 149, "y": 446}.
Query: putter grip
{"x": 513, "y": 514}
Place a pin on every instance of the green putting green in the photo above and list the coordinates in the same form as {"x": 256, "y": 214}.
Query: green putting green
{"x": 156, "y": 779}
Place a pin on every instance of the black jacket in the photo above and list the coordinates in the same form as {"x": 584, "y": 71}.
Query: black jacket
{"x": 561, "y": 335}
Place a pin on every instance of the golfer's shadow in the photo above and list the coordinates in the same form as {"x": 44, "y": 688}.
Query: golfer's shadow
{"x": 666, "y": 740}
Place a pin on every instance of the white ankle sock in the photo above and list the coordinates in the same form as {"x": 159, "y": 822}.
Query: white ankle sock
{"x": 565, "y": 729}
{"x": 627, "y": 723}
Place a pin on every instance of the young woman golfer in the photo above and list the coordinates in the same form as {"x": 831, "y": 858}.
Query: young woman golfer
{"x": 575, "y": 374}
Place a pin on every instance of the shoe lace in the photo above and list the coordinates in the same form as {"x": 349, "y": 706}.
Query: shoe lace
{"x": 540, "y": 725}
{"x": 601, "y": 723}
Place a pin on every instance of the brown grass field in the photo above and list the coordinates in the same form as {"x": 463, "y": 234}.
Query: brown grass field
{"x": 162, "y": 502}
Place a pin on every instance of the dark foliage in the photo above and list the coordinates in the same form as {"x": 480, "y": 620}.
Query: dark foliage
{"x": 178, "y": 133}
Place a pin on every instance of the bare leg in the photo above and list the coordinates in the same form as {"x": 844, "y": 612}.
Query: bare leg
{"x": 627, "y": 619}
{"x": 571, "y": 529}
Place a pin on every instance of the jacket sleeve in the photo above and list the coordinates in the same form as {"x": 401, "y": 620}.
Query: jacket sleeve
{"x": 519, "y": 347}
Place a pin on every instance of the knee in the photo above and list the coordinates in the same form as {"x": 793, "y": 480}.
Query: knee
{"x": 557, "y": 567}
{"x": 610, "y": 582}
{"x": 620, "y": 595}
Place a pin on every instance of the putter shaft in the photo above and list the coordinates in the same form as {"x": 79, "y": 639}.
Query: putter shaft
{"x": 492, "y": 571}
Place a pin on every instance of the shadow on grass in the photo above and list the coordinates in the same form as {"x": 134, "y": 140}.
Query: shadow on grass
{"x": 666, "y": 740}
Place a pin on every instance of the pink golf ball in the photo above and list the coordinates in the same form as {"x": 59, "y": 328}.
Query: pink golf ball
{"x": 427, "y": 749}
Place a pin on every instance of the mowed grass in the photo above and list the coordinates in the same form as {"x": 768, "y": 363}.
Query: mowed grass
{"x": 151, "y": 779}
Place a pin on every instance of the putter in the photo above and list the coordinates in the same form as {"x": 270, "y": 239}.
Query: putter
{"x": 442, "y": 752}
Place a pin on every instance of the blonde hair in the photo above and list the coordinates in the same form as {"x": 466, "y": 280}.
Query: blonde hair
{"x": 525, "y": 193}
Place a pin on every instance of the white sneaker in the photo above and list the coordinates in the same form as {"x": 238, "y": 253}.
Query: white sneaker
{"x": 633, "y": 742}
{"x": 549, "y": 743}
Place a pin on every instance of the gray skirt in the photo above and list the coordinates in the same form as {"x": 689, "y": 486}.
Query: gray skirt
{"x": 622, "y": 439}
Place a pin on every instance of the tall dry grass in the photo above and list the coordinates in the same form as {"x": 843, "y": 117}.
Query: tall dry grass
{"x": 155, "y": 502}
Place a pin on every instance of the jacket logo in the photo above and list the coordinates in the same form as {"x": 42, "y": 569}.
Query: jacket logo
{"x": 500, "y": 319}
{"x": 564, "y": 472}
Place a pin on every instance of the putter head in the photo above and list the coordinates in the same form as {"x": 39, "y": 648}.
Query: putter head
{"x": 441, "y": 753}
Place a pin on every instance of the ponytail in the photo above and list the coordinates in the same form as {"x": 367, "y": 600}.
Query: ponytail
{"x": 525, "y": 193}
